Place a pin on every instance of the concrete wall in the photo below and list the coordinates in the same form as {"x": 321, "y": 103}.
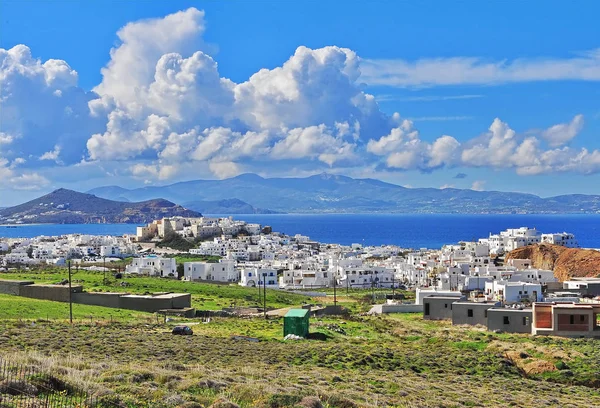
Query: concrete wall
{"x": 438, "y": 308}
{"x": 153, "y": 304}
{"x": 401, "y": 308}
{"x": 460, "y": 312}
{"x": 98, "y": 299}
{"x": 57, "y": 293}
{"x": 13, "y": 287}
{"x": 517, "y": 321}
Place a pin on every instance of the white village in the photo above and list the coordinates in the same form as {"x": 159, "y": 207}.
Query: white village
{"x": 469, "y": 282}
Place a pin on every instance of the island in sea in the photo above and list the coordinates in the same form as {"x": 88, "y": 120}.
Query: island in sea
{"x": 64, "y": 206}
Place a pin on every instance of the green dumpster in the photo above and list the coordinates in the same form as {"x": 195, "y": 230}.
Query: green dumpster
{"x": 296, "y": 322}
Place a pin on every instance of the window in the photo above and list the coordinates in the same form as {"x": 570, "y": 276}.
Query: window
{"x": 485, "y": 313}
{"x": 572, "y": 319}
{"x": 525, "y": 318}
{"x": 470, "y": 312}
{"x": 506, "y": 320}
{"x": 249, "y": 274}
{"x": 445, "y": 305}
{"x": 581, "y": 318}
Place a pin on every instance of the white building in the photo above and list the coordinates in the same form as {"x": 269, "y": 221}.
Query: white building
{"x": 153, "y": 266}
{"x": 563, "y": 239}
{"x": 222, "y": 271}
{"x": 110, "y": 251}
{"x": 253, "y": 277}
{"x": 513, "y": 292}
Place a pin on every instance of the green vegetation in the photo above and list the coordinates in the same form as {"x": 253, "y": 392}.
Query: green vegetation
{"x": 182, "y": 258}
{"x": 205, "y": 296}
{"x": 397, "y": 360}
{"x": 356, "y": 361}
{"x": 16, "y": 307}
{"x": 175, "y": 241}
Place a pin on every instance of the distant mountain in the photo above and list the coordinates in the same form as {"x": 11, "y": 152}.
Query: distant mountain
{"x": 71, "y": 207}
{"x": 229, "y": 206}
{"x": 326, "y": 193}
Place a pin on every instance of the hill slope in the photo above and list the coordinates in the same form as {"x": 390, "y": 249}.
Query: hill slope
{"x": 228, "y": 206}
{"x": 566, "y": 262}
{"x": 332, "y": 193}
{"x": 71, "y": 207}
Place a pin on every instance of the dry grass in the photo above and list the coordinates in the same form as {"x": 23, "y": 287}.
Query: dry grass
{"x": 395, "y": 361}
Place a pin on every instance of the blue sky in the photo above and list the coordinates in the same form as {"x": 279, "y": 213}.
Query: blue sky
{"x": 506, "y": 93}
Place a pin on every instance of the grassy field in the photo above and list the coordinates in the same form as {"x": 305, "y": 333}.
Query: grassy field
{"x": 358, "y": 361}
{"x": 16, "y": 307}
{"x": 391, "y": 361}
{"x": 205, "y": 296}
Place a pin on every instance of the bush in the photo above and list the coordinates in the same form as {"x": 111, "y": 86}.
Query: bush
{"x": 561, "y": 365}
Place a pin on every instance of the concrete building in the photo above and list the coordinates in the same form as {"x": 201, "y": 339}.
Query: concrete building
{"x": 438, "y": 307}
{"x": 585, "y": 286}
{"x": 509, "y": 320}
{"x": 423, "y": 293}
{"x": 472, "y": 313}
{"x": 566, "y": 319}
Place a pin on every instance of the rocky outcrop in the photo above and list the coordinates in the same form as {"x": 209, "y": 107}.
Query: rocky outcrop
{"x": 565, "y": 262}
{"x": 71, "y": 207}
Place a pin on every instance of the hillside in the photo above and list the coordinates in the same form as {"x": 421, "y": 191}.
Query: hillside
{"x": 327, "y": 193}
{"x": 71, "y": 207}
{"x": 228, "y": 206}
{"x": 566, "y": 262}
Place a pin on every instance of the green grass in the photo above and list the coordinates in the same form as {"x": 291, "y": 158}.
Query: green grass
{"x": 16, "y": 307}
{"x": 205, "y": 296}
{"x": 380, "y": 361}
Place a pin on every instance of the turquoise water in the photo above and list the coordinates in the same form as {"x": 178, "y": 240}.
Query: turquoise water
{"x": 406, "y": 230}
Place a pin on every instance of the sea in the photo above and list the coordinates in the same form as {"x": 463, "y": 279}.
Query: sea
{"x": 405, "y": 230}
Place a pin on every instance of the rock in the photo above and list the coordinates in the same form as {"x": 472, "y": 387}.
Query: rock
{"x": 17, "y": 387}
{"x": 310, "y": 402}
{"x": 212, "y": 385}
{"x": 222, "y": 403}
{"x": 566, "y": 262}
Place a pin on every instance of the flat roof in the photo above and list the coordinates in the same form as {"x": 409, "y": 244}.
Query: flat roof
{"x": 160, "y": 296}
{"x": 20, "y": 282}
{"x": 509, "y": 309}
{"x": 466, "y": 302}
{"x": 297, "y": 313}
{"x": 455, "y": 298}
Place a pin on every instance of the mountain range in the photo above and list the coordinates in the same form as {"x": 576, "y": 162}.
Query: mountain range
{"x": 327, "y": 193}
{"x": 64, "y": 206}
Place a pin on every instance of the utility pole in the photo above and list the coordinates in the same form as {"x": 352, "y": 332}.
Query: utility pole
{"x": 265, "y": 295}
{"x": 347, "y": 284}
{"x": 104, "y": 270}
{"x": 70, "y": 295}
{"x": 393, "y": 286}
{"x": 334, "y": 290}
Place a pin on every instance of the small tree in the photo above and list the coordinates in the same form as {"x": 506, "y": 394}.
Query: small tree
{"x": 180, "y": 271}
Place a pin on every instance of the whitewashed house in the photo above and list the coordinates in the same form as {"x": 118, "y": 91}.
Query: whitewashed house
{"x": 513, "y": 292}
{"x": 222, "y": 271}
{"x": 153, "y": 266}
{"x": 253, "y": 277}
{"x": 562, "y": 238}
